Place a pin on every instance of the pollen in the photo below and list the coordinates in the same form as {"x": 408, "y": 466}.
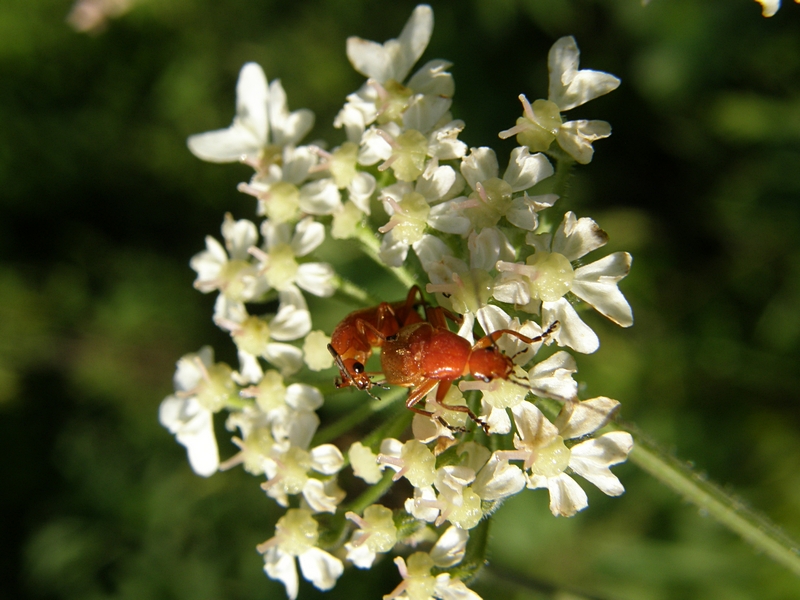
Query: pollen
{"x": 297, "y": 531}
{"x": 553, "y": 459}
{"x": 552, "y": 276}
{"x": 282, "y": 268}
{"x": 409, "y": 155}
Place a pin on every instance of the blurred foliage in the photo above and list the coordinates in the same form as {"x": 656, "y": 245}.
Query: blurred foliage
{"x": 102, "y": 207}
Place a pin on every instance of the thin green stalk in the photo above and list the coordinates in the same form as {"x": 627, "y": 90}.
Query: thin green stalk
{"x": 349, "y": 421}
{"x": 714, "y": 502}
{"x": 366, "y": 237}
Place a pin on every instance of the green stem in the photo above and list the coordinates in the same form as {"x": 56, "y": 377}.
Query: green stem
{"x": 371, "y": 246}
{"x": 350, "y": 290}
{"x": 354, "y": 418}
{"x": 727, "y": 510}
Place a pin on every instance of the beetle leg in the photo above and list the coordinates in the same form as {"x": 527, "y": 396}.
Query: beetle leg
{"x": 444, "y": 386}
{"x": 490, "y": 339}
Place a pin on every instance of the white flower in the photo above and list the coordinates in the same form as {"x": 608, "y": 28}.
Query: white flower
{"x": 770, "y": 7}
{"x": 419, "y": 584}
{"x": 258, "y": 108}
{"x": 541, "y": 122}
{"x": 383, "y": 96}
{"x": 411, "y": 211}
{"x": 229, "y": 269}
{"x": 492, "y": 197}
{"x": 548, "y": 275}
{"x": 540, "y": 444}
{"x": 290, "y": 189}
{"x": 202, "y": 388}
{"x": 296, "y": 535}
{"x": 376, "y": 533}
{"x": 288, "y": 475}
{"x": 289, "y": 411}
{"x": 259, "y": 337}
{"x": 277, "y": 260}
{"x": 364, "y": 463}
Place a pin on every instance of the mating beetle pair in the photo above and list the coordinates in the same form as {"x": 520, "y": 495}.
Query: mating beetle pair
{"x": 416, "y": 352}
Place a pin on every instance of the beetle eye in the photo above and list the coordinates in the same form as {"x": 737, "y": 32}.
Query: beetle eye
{"x": 358, "y": 368}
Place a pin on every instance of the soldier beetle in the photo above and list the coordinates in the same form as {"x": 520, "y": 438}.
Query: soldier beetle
{"x": 424, "y": 355}
{"x": 359, "y": 332}
{"x": 418, "y": 353}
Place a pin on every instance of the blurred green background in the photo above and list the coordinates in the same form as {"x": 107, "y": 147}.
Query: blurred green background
{"x": 102, "y": 207}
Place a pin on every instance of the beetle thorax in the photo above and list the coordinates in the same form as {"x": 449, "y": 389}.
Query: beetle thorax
{"x": 487, "y": 364}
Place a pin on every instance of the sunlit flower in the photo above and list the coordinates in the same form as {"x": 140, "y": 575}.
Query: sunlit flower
{"x": 540, "y": 445}
{"x": 549, "y": 274}
{"x": 259, "y": 109}
{"x": 296, "y": 536}
{"x": 202, "y": 387}
{"x": 541, "y": 122}
{"x": 376, "y": 534}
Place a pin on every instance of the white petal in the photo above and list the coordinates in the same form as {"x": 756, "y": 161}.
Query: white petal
{"x": 432, "y": 78}
{"x": 361, "y": 189}
{"x": 450, "y": 548}
{"x": 288, "y": 358}
{"x": 239, "y": 236}
{"x": 596, "y": 284}
{"x": 316, "y": 278}
{"x": 576, "y": 138}
{"x": 320, "y": 568}
{"x": 290, "y": 323}
{"x": 281, "y": 566}
{"x": 326, "y": 459}
{"x": 496, "y": 418}
{"x": 435, "y": 185}
{"x": 591, "y": 459}
{"x": 394, "y": 58}
{"x": 209, "y": 263}
{"x": 248, "y": 133}
{"x": 296, "y": 426}
{"x": 297, "y": 163}
{"x": 189, "y": 369}
{"x": 570, "y": 87}
{"x": 193, "y": 427}
{"x": 449, "y": 218}
{"x": 576, "y": 237}
{"x": 571, "y": 331}
{"x": 498, "y": 479}
{"x": 250, "y": 370}
{"x": 533, "y": 428}
{"x": 424, "y": 112}
{"x": 393, "y": 253}
{"x": 566, "y": 496}
{"x": 453, "y": 589}
{"x": 308, "y": 235}
{"x": 509, "y": 288}
{"x": 587, "y": 416}
{"x": 523, "y": 213}
{"x": 525, "y": 169}
{"x": 286, "y": 128}
{"x": 301, "y": 396}
{"x": 419, "y": 506}
{"x": 320, "y": 197}
{"x": 314, "y": 494}
{"x": 489, "y": 246}
{"x": 225, "y": 145}
{"x": 361, "y": 556}
{"x": 252, "y": 96}
{"x": 479, "y": 165}
{"x": 552, "y": 378}
{"x": 443, "y": 143}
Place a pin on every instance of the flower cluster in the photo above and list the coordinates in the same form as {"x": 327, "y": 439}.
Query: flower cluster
{"x": 446, "y": 215}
